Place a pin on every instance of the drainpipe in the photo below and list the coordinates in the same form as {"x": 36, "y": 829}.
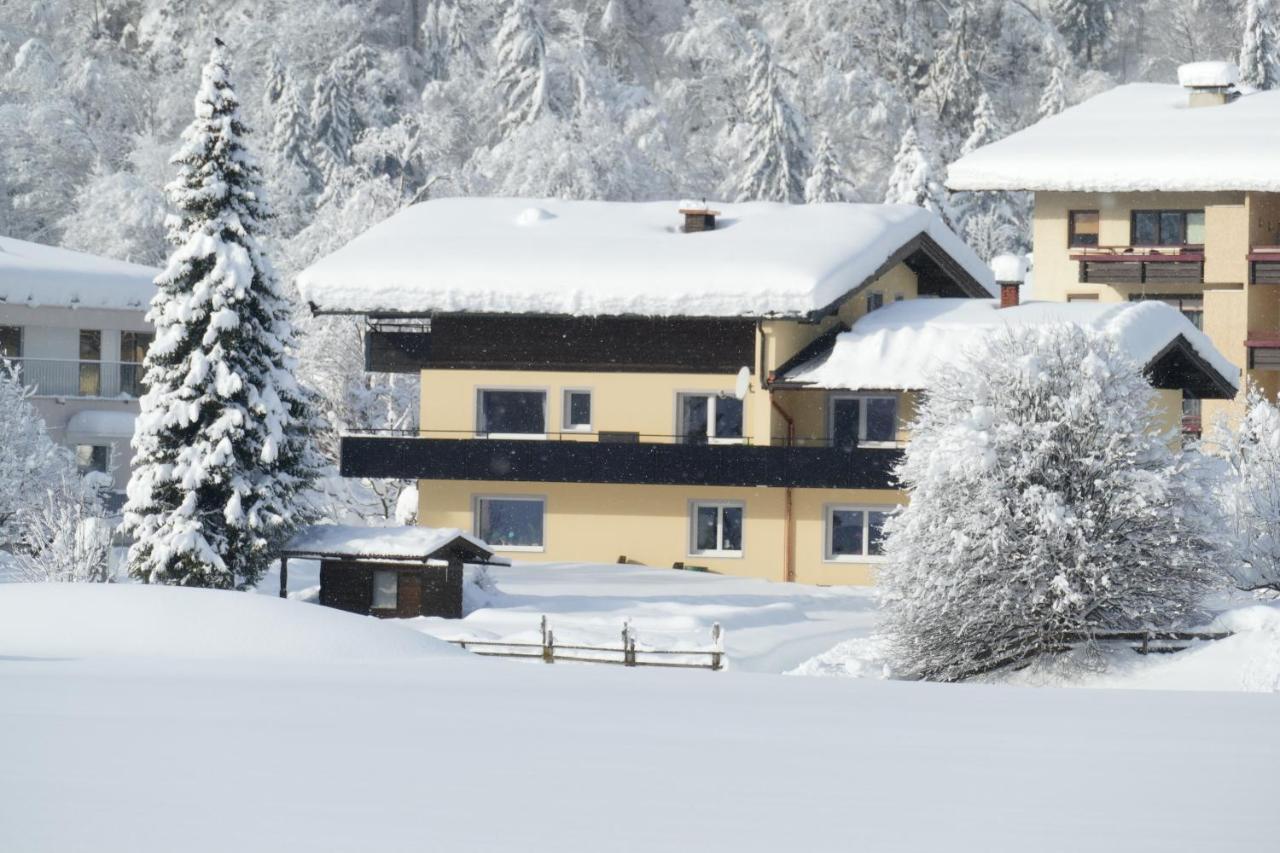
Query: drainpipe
{"x": 788, "y": 534}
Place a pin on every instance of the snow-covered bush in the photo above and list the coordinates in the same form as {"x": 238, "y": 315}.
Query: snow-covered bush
{"x": 1253, "y": 492}
{"x": 223, "y": 449}
{"x": 29, "y": 460}
{"x": 1044, "y": 507}
{"x": 66, "y": 535}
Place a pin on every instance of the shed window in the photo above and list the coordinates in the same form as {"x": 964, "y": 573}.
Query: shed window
{"x": 1082, "y": 228}
{"x": 385, "y": 589}
{"x": 863, "y": 419}
{"x": 511, "y": 413}
{"x": 1167, "y": 228}
{"x": 10, "y": 341}
{"x": 855, "y": 533}
{"x": 709, "y": 418}
{"x": 511, "y": 523}
{"x": 716, "y": 529}
{"x": 577, "y": 411}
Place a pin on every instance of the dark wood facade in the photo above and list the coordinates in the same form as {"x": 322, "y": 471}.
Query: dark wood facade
{"x": 420, "y": 590}
{"x": 1186, "y": 268}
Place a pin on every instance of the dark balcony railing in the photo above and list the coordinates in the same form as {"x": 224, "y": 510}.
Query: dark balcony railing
{"x": 1141, "y": 264}
{"x": 645, "y": 462}
{"x": 1264, "y": 265}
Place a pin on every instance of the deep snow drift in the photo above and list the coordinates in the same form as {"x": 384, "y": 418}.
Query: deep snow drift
{"x": 458, "y": 753}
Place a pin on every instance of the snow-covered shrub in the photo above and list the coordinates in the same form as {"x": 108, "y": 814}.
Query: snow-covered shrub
{"x": 29, "y": 460}
{"x": 1044, "y": 507}
{"x": 66, "y": 535}
{"x": 1253, "y": 492}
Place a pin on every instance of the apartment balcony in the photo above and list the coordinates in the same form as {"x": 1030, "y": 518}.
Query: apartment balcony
{"x": 53, "y": 377}
{"x": 1141, "y": 265}
{"x": 1264, "y": 265}
{"x": 616, "y": 458}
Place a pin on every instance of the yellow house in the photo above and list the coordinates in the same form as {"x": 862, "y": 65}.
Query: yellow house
{"x": 1158, "y": 192}
{"x": 596, "y": 377}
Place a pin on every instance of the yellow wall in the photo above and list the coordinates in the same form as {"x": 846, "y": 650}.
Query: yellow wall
{"x": 651, "y": 524}
{"x": 811, "y": 407}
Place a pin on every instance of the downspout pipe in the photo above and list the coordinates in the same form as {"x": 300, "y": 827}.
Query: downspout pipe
{"x": 788, "y": 531}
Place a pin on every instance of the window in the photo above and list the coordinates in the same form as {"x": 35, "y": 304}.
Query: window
{"x": 1167, "y": 228}
{"x": 10, "y": 341}
{"x": 511, "y": 413}
{"x": 511, "y": 523}
{"x": 716, "y": 529}
{"x": 1082, "y": 228}
{"x": 577, "y": 411}
{"x": 1192, "y": 306}
{"x": 709, "y": 419}
{"x": 899, "y": 297}
{"x": 1082, "y": 297}
{"x": 863, "y": 420}
{"x": 133, "y": 349}
{"x": 90, "y": 363}
{"x": 875, "y": 299}
{"x": 385, "y": 589}
{"x": 93, "y": 457}
{"x": 855, "y": 533}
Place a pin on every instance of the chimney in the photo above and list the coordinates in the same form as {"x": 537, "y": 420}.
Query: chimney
{"x": 1209, "y": 84}
{"x": 1010, "y": 272}
{"x": 698, "y": 216}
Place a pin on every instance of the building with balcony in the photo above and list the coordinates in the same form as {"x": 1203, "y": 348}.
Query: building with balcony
{"x": 604, "y": 381}
{"x": 1153, "y": 192}
{"x": 75, "y": 326}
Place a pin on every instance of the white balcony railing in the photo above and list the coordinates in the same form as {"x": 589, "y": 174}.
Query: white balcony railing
{"x": 55, "y": 377}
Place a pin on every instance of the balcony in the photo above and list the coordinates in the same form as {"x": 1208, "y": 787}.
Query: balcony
{"x": 1264, "y": 265}
{"x": 616, "y": 458}
{"x": 53, "y": 377}
{"x": 1141, "y": 265}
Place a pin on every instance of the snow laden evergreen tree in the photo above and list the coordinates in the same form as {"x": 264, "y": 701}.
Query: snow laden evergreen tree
{"x": 1044, "y": 508}
{"x": 775, "y": 153}
{"x": 30, "y": 463}
{"x": 444, "y": 38}
{"x": 827, "y": 182}
{"x": 293, "y": 176}
{"x": 916, "y": 177}
{"x": 521, "y": 73}
{"x": 1253, "y": 493}
{"x": 1259, "y": 64}
{"x": 222, "y": 453}
{"x": 1085, "y": 25}
{"x": 987, "y": 220}
{"x": 332, "y": 119}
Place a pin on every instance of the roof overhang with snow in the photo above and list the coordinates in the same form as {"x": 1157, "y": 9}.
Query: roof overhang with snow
{"x": 898, "y": 347}
{"x": 1141, "y": 137}
{"x": 592, "y": 258}
{"x": 39, "y": 276}
{"x": 427, "y": 545}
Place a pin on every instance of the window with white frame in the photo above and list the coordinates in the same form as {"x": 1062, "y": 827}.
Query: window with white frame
{"x": 511, "y": 523}
{"x": 855, "y": 533}
{"x": 385, "y": 589}
{"x": 577, "y": 410}
{"x": 709, "y": 419}
{"x": 715, "y": 529}
{"x": 502, "y": 412}
{"x": 863, "y": 419}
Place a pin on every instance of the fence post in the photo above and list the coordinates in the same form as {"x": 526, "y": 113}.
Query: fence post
{"x": 549, "y": 648}
{"x": 544, "y": 629}
{"x": 628, "y": 645}
{"x": 1146, "y": 639}
{"x": 717, "y": 643}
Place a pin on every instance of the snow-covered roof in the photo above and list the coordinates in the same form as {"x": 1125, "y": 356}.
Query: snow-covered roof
{"x": 102, "y": 424}
{"x": 898, "y": 346}
{"x": 410, "y": 543}
{"x": 1136, "y": 138}
{"x": 1213, "y": 75}
{"x": 37, "y": 275}
{"x": 510, "y": 255}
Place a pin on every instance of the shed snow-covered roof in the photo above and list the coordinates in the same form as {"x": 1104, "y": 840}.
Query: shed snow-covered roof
{"x": 47, "y": 276}
{"x": 898, "y": 346}
{"x": 1136, "y": 138}
{"x": 408, "y": 543}
{"x": 510, "y": 255}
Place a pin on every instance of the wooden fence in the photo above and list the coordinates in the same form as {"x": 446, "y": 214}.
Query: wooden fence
{"x": 626, "y": 654}
{"x": 1161, "y": 642}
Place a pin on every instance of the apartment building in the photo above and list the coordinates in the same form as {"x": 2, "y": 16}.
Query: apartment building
{"x": 662, "y": 383}
{"x": 1159, "y": 192}
{"x": 75, "y": 326}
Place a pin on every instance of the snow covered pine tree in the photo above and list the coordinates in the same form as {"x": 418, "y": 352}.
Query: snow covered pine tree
{"x": 1043, "y": 509}
{"x": 222, "y": 446}
{"x": 1259, "y": 65}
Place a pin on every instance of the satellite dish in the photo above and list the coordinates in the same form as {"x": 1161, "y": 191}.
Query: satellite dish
{"x": 744, "y": 383}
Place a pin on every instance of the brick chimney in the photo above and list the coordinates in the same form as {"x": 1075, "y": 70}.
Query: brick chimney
{"x": 1209, "y": 84}
{"x": 698, "y": 216}
{"x": 1010, "y": 272}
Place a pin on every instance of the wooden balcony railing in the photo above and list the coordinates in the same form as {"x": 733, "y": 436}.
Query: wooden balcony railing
{"x": 1264, "y": 265}
{"x": 1141, "y": 264}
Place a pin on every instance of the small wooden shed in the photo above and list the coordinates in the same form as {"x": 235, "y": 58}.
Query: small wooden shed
{"x": 388, "y": 571}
